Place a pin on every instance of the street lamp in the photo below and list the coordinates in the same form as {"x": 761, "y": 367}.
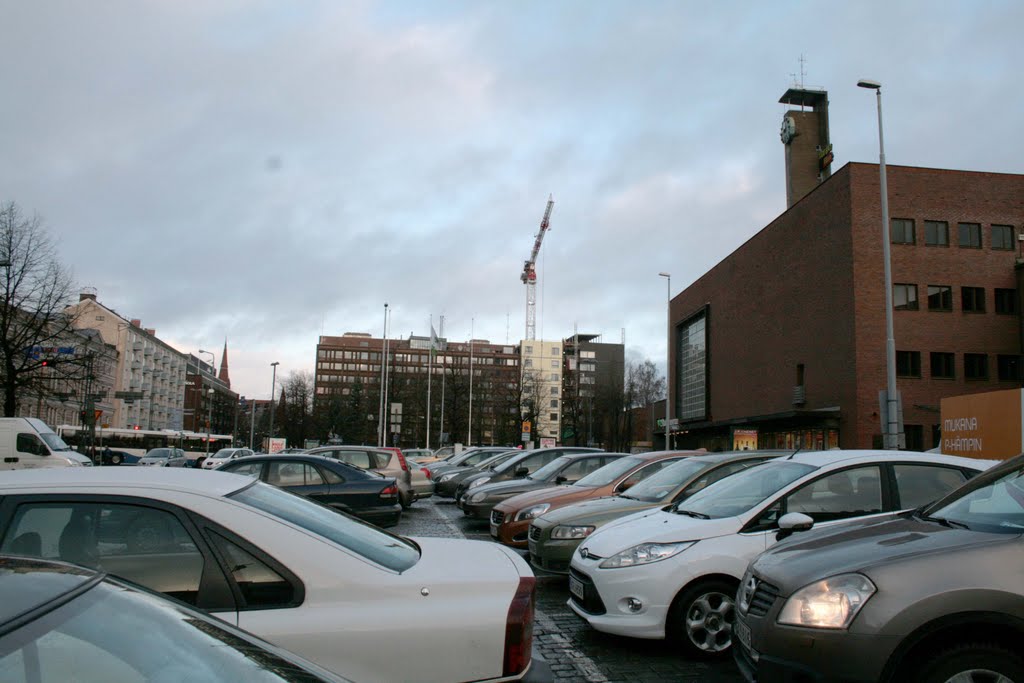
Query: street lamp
{"x": 209, "y": 418}
{"x": 668, "y": 355}
{"x": 273, "y": 388}
{"x": 891, "y": 434}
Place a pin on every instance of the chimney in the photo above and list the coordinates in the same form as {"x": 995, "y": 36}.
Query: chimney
{"x": 87, "y": 293}
{"x": 805, "y": 135}
{"x": 150, "y": 331}
{"x": 136, "y": 322}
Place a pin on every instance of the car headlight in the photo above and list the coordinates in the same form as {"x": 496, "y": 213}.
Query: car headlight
{"x": 532, "y": 511}
{"x": 479, "y": 482}
{"x": 446, "y": 477}
{"x": 571, "y": 532}
{"x": 477, "y": 497}
{"x": 645, "y": 553}
{"x": 831, "y": 603}
{"x": 74, "y": 463}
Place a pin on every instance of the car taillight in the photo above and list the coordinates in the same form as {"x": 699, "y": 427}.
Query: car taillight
{"x": 519, "y": 628}
{"x": 389, "y": 492}
{"x": 429, "y": 475}
{"x": 402, "y": 462}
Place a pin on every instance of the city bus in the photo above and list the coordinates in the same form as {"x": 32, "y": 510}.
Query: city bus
{"x": 138, "y": 441}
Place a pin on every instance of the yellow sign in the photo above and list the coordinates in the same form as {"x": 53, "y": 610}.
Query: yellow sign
{"x": 526, "y": 426}
{"x": 983, "y": 425}
{"x": 744, "y": 439}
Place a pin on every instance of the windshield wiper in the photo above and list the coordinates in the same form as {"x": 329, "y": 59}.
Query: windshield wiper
{"x": 952, "y": 524}
{"x": 691, "y": 513}
{"x": 626, "y": 495}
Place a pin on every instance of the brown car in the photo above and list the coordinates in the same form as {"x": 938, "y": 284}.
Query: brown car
{"x": 517, "y": 512}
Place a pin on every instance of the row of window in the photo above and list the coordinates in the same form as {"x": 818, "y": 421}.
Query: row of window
{"x": 943, "y": 365}
{"x": 940, "y": 298}
{"x": 936, "y": 234}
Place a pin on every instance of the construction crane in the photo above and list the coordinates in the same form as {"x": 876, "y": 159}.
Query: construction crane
{"x": 529, "y": 276}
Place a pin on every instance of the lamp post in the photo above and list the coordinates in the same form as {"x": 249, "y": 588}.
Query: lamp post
{"x": 383, "y": 365}
{"x": 891, "y": 434}
{"x": 668, "y": 355}
{"x": 196, "y": 415}
{"x": 273, "y": 389}
{"x": 209, "y": 418}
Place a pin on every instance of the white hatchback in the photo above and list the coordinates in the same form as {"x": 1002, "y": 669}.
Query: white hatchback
{"x": 225, "y": 455}
{"x": 673, "y": 572}
{"x": 317, "y": 582}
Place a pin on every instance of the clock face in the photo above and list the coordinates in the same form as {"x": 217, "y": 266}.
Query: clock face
{"x": 788, "y": 130}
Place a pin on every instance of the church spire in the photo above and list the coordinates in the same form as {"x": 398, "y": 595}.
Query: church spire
{"x": 223, "y": 375}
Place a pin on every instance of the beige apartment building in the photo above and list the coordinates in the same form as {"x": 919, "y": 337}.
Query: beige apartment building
{"x": 541, "y": 365}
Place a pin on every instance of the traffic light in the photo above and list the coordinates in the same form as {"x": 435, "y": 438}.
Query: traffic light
{"x": 81, "y": 416}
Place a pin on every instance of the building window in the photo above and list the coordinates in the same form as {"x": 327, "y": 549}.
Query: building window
{"x": 553, "y": 377}
{"x": 936, "y": 234}
{"x": 972, "y": 299}
{"x": 940, "y": 298}
{"x": 691, "y": 368}
{"x": 975, "y": 366}
{"x": 970, "y": 235}
{"x": 554, "y": 391}
{"x": 554, "y": 350}
{"x": 1002, "y": 237}
{"x": 554, "y": 363}
{"x": 554, "y": 403}
{"x": 908, "y": 363}
{"x": 942, "y": 365}
{"x": 1009, "y": 368}
{"x": 902, "y": 231}
{"x": 1006, "y": 301}
{"x": 528, "y": 363}
{"x": 529, "y": 349}
{"x": 904, "y": 297}
{"x": 554, "y": 417}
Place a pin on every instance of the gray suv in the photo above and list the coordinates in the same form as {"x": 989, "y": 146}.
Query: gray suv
{"x": 935, "y": 595}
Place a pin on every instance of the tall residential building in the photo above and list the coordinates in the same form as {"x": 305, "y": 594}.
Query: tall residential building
{"x": 541, "y": 364}
{"x": 592, "y": 389}
{"x": 152, "y": 371}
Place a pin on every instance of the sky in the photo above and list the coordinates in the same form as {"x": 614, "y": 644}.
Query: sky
{"x": 266, "y": 172}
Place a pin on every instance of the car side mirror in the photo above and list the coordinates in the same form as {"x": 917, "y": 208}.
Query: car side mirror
{"x": 625, "y": 486}
{"x": 522, "y": 471}
{"x": 791, "y": 522}
{"x": 561, "y": 479}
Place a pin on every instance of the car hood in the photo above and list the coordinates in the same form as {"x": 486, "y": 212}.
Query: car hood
{"x": 512, "y": 487}
{"x": 656, "y": 526}
{"x": 145, "y": 461}
{"x": 862, "y": 546}
{"x": 596, "y": 511}
{"x": 557, "y": 495}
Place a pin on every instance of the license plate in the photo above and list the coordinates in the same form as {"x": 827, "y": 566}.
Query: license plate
{"x": 741, "y": 632}
{"x": 576, "y": 588}
{"x": 494, "y": 530}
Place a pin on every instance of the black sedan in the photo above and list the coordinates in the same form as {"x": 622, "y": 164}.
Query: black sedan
{"x": 361, "y": 493}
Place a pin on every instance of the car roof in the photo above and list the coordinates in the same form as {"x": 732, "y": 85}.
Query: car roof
{"x": 204, "y": 482}
{"x": 837, "y": 457}
{"x": 298, "y": 457}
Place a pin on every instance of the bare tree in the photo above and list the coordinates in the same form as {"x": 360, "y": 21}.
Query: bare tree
{"x": 644, "y": 385}
{"x": 35, "y": 288}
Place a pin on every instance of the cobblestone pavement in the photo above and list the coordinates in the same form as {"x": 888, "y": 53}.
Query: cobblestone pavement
{"x": 576, "y": 652}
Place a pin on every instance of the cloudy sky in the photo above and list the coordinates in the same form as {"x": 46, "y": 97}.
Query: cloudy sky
{"x": 269, "y": 171}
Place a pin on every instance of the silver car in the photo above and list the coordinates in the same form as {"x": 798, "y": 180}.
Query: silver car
{"x": 164, "y": 457}
{"x": 422, "y": 482}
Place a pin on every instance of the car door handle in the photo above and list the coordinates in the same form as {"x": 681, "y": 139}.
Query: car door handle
{"x": 10, "y": 460}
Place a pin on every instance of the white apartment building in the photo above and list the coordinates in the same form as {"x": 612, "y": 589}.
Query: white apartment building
{"x": 151, "y": 368}
{"x": 541, "y": 366}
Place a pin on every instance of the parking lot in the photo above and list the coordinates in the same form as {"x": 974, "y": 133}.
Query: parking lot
{"x": 576, "y": 652}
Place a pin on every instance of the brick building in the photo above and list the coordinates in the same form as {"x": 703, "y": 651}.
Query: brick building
{"x": 786, "y": 335}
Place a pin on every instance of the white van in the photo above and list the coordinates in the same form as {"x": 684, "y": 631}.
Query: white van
{"x": 27, "y": 442}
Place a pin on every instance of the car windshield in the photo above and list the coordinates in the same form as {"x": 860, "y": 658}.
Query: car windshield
{"x": 511, "y": 462}
{"x": 610, "y": 472}
{"x": 387, "y": 550}
{"x": 222, "y": 453}
{"x": 551, "y": 469}
{"x": 95, "y": 637}
{"x": 54, "y": 442}
{"x": 660, "y": 485}
{"x": 993, "y": 502}
{"x": 739, "y": 493}
{"x": 159, "y": 453}
{"x": 496, "y": 460}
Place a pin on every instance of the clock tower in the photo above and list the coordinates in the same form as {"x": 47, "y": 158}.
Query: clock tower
{"x": 804, "y": 133}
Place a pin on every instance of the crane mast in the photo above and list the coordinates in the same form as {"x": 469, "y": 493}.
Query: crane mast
{"x": 529, "y": 276}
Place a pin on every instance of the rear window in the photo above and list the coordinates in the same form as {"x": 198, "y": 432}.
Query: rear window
{"x": 376, "y": 545}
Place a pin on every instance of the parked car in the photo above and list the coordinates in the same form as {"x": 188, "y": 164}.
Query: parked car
{"x": 674, "y": 572}
{"x": 517, "y": 467}
{"x": 62, "y": 622}
{"x": 447, "y": 483}
{"x": 386, "y": 462}
{"x": 471, "y": 457}
{"x": 422, "y": 482}
{"x": 30, "y": 443}
{"x": 556, "y": 534}
{"x": 299, "y": 574}
{"x": 164, "y": 457}
{"x": 510, "y": 519}
{"x": 418, "y": 454}
{"x": 929, "y": 595}
{"x": 362, "y": 493}
{"x": 225, "y": 455}
{"x": 565, "y": 469}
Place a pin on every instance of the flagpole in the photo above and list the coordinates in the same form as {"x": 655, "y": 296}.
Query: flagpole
{"x": 430, "y": 373}
{"x": 469, "y": 427}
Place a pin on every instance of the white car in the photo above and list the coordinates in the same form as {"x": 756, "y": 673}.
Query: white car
{"x": 324, "y": 585}
{"x": 225, "y": 455}
{"x": 673, "y": 572}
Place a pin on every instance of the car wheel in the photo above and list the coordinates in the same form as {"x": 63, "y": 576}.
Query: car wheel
{"x": 974, "y": 663}
{"x": 405, "y": 499}
{"x": 701, "y": 618}
{"x": 116, "y": 459}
